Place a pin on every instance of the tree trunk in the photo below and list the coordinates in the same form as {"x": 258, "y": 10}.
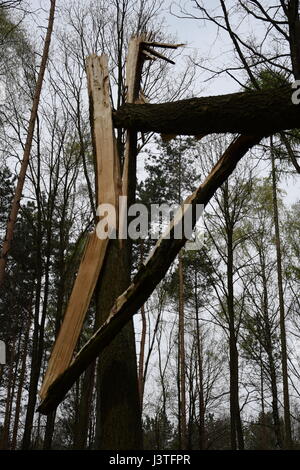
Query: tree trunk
{"x": 118, "y": 424}
{"x": 268, "y": 344}
{"x": 294, "y": 35}
{"x": 263, "y": 427}
{"x": 202, "y": 433}
{"x": 41, "y": 298}
{"x": 142, "y": 355}
{"x": 284, "y": 359}
{"x": 20, "y": 386}
{"x": 34, "y": 376}
{"x": 181, "y": 352}
{"x": 4, "y": 441}
{"x": 237, "y": 440}
{"x": 275, "y": 411}
{"x": 141, "y": 377}
{"x": 261, "y": 112}
{"x": 82, "y": 427}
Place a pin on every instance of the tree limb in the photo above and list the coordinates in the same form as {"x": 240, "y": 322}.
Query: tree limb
{"x": 251, "y": 112}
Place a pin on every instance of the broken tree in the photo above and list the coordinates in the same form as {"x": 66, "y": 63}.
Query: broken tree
{"x": 255, "y": 114}
{"x": 109, "y": 261}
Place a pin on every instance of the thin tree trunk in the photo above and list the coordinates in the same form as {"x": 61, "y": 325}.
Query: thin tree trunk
{"x": 49, "y": 431}
{"x": 182, "y": 410}
{"x": 284, "y": 360}
{"x": 20, "y": 386}
{"x": 82, "y": 427}
{"x": 263, "y": 427}
{"x": 27, "y": 148}
{"x": 178, "y": 397}
{"x": 143, "y": 342}
{"x": 202, "y": 434}
{"x": 269, "y": 350}
{"x": 4, "y": 443}
{"x": 34, "y": 369}
{"x": 237, "y": 440}
{"x": 15, "y": 374}
{"x": 61, "y": 292}
{"x": 39, "y": 316}
{"x": 38, "y": 437}
{"x": 142, "y": 355}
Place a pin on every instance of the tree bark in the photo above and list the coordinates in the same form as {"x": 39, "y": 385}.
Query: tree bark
{"x": 284, "y": 358}
{"x": 261, "y": 112}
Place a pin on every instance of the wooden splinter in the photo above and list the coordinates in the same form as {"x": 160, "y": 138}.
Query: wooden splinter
{"x": 107, "y": 191}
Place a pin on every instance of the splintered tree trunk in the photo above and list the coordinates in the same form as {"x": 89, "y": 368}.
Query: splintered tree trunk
{"x": 118, "y": 422}
{"x": 284, "y": 359}
{"x": 118, "y": 403}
